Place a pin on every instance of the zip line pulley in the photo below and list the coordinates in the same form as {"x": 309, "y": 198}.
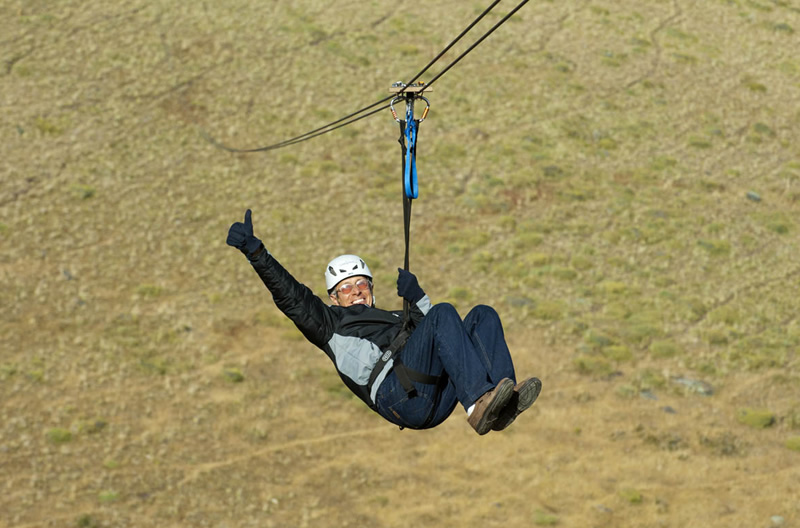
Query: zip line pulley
{"x": 409, "y": 128}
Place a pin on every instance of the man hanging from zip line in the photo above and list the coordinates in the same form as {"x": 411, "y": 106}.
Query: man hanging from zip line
{"x": 412, "y": 374}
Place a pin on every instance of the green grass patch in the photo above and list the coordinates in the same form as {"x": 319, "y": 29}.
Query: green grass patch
{"x": 685, "y": 58}
{"x": 723, "y": 444}
{"x": 482, "y": 261}
{"x": 84, "y": 192}
{"x": 7, "y": 371}
{"x": 541, "y": 518}
{"x": 154, "y": 365}
{"x": 677, "y": 34}
{"x": 274, "y": 318}
{"x": 459, "y": 294}
{"x": 649, "y": 379}
{"x": 640, "y": 333}
{"x": 754, "y": 85}
{"x": 782, "y": 27}
{"x": 756, "y": 418}
{"x": 87, "y": 521}
{"x": 793, "y": 417}
{"x": 549, "y": 310}
{"x": 696, "y": 309}
{"x": 716, "y": 248}
{"x": 58, "y": 435}
{"x": 36, "y": 375}
{"x": 553, "y": 172}
{"x": 727, "y": 315}
{"x": 711, "y": 186}
{"x": 610, "y": 287}
{"x": 664, "y": 349}
{"x": 464, "y": 240}
{"x": 754, "y": 353}
{"x": 233, "y": 375}
{"x": 667, "y": 441}
{"x": 149, "y": 290}
{"x": 762, "y": 129}
{"x": 537, "y": 260}
{"x": 582, "y": 263}
{"x": 631, "y": 495}
{"x": 617, "y": 353}
{"x": 292, "y": 333}
{"x": 699, "y": 142}
{"x": 617, "y": 310}
{"x": 593, "y": 365}
{"x": 563, "y": 273}
{"x": 663, "y": 163}
{"x": 381, "y": 500}
{"x": 107, "y": 496}
{"x": 527, "y": 239}
{"x": 597, "y": 340}
{"x": 793, "y": 443}
{"x": 339, "y": 389}
{"x": 779, "y": 224}
{"x": 48, "y": 127}
{"x": 626, "y": 391}
{"x": 92, "y": 427}
{"x": 716, "y": 337}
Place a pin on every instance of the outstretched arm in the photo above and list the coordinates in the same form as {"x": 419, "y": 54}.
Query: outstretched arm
{"x": 307, "y": 311}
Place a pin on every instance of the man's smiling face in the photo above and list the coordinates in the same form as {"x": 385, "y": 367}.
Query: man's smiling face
{"x": 352, "y": 291}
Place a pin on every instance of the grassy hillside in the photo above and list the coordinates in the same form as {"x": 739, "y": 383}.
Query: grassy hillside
{"x": 620, "y": 180}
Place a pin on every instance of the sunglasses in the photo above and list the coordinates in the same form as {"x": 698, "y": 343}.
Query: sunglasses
{"x": 361, "y": 284}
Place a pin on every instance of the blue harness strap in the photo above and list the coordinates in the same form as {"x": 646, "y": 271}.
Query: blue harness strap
{"x": 410, "y": 175}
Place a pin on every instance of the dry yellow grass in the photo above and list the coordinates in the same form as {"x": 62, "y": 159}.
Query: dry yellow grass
{"x": 619, "y": 180}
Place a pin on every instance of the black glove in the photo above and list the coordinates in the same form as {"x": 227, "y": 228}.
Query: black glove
{"x": 240, "y": 236}
{"x": 408, "y": 287}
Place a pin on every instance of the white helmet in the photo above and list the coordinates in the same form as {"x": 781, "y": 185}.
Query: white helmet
{"x": 343, "y": 267}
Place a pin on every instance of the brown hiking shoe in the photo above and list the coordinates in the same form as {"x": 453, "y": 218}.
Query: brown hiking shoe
{"x": 489, "y": 406}
{"x": 525, "y": 393}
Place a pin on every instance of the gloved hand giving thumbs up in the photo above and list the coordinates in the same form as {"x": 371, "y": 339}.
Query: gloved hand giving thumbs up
{"x": 240, "y": 236}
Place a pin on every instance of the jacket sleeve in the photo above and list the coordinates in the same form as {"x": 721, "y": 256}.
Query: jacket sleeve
{"x": 418, "y": 310}
{"x": 307, "y": 311}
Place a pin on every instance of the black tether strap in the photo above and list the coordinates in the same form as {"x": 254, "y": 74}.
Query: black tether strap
{"x": 406, "y": 218}
{"x": 405, "y": 375}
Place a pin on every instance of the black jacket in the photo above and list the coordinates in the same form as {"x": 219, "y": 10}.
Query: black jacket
{"x": 354, "y": 337}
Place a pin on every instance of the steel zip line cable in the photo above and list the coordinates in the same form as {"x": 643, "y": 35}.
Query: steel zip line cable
{"x": 331, "y": 126}
{"x": 351, "y": 118}
{"x": 477, "y": 42}
{"x": 307, "y": 135}
{"x": 447, "y": 48}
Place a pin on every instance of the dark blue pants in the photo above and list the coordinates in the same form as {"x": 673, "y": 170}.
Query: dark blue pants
{"x": 471, "y": 355}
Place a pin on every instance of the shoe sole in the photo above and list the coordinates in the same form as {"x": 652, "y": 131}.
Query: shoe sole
{"x": 528, "y": 394}
{"x": 504, "y": 390}
{"x": 521, "y": 401}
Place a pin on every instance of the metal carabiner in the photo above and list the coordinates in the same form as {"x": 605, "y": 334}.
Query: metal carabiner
{"x": 424, "y": 112}
{"x": 427, "y": 107}
{"x": 394, "y": 113}
{"x": 409, "y": 93}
